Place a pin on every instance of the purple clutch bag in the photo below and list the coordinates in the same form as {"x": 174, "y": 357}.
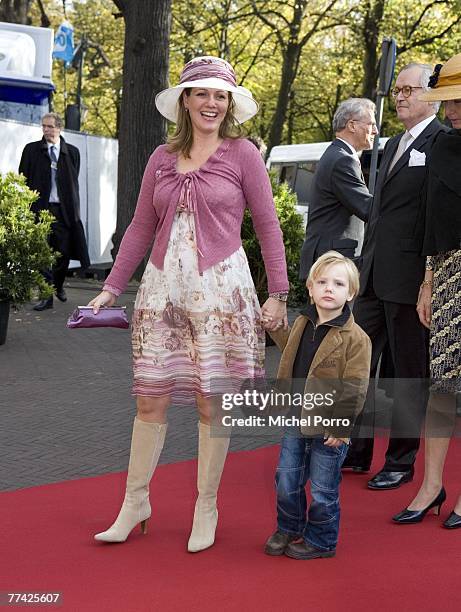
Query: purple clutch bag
{"x": 83, "y": 316}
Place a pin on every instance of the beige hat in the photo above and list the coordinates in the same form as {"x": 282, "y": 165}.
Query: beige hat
{"x": 208, "y": 72}
{"x": 445, "y": 82}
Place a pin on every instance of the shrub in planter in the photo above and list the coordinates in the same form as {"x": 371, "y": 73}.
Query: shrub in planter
{"x": 292, "y": 228}
{"x": 24, "y": 248}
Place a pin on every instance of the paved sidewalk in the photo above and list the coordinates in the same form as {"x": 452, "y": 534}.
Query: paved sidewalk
{"x": 65, "y": 404}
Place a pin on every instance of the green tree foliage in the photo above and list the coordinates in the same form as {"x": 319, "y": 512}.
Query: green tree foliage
{"x": 293, "y": 236}
{"x": 338, "y": 58}
{"x": 24, "y": 249}
{"x": 102, "y": 85}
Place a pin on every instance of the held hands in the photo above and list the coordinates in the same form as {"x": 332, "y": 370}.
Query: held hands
{"x": 105, "y": 298}
{"x": 274, "y": 314}
{"x": 423, "y": 307}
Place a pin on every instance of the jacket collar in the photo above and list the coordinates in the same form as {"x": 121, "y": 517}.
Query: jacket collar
{"x": 344, "y": 320}
{"x": 342, "y": 144}
{"x": 418, "y": 142}
{"x": 62, "y": 146}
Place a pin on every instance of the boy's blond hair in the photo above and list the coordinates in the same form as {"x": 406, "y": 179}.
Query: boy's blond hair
{"x": 333, "y": 257}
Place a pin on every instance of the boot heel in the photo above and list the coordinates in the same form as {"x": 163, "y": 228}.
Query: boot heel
{"x": 144, "y": 526}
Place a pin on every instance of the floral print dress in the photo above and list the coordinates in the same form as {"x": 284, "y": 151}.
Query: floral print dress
{"x": 195, "y": 334}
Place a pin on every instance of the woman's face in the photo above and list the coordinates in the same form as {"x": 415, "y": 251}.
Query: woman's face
{"x": 207, "y": 108}
{"x": 453, "y": 112}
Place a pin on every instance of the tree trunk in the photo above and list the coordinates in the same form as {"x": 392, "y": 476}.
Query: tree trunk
{"x": 371, "y": 32}
{"x": 224, "y": 49}
{"x": 291, "y": 53}
{"x": 145, "y": 73}
{"x": 291, "y": 118}
{"x": 286, "y": 82}
{"x": 14, "y": 11}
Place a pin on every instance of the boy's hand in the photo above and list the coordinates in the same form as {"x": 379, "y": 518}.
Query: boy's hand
{"x": 334, "y": 442}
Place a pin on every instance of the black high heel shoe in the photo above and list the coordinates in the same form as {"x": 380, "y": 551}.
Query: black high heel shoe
{"x": 453, "y": 521}
{"x": 407, "y": 517}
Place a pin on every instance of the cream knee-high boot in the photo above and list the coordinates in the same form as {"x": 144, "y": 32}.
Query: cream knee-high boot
{"x": 146, "y": 445}
{"x": 212, "y": 452}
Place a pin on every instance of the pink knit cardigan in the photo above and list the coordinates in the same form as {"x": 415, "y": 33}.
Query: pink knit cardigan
{"x": 217, "y": 194}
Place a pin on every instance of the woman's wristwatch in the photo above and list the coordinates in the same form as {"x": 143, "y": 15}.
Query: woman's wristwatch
{"x": 281, "y": 296}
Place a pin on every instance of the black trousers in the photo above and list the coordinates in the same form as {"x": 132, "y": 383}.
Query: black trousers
{"x": 396, "y": 328}
{"x": 59, "y": 240}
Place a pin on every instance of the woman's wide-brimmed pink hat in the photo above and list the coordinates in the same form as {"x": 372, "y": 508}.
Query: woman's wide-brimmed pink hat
{"x": 211, "y": 73}
{"x": 445, "y": 83}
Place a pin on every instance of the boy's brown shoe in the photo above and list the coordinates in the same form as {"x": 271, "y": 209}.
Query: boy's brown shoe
{"x": 278, "y": 542}
{"x": 301, "y": 550}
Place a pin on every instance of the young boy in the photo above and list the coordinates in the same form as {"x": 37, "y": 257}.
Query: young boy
{"x": 328, "y": 350}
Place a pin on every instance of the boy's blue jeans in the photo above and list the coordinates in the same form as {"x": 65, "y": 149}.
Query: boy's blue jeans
{"x": 303, "y": 459}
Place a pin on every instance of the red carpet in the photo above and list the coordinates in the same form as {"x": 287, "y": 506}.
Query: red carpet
{"x": 47, "y": 546}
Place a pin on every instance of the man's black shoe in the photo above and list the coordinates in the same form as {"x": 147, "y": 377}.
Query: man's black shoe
{"x": 301, "y": 550}
{"x": 61, "y": 295}
{"x": 358, "y": 469}
{"x": 390, "y": 480}
{"x": 44, "y": 304}
{"x": 277, "y": 543}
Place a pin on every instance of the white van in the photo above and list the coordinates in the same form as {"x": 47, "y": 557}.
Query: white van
{"x": 296, "y": 165}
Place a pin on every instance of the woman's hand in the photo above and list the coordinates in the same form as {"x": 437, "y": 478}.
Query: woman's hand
{"x": 423, "y": 307}
{"x": 105, "y": 298}
{"x": 274, "y": 314}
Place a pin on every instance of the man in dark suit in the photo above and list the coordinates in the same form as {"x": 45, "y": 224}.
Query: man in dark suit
{"x": 51, "y": 167}
{"x": 339, "y": 200}
{"x": 391, "y": 274}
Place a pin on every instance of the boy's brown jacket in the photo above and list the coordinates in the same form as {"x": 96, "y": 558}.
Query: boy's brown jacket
{"x": 341, "y": 366}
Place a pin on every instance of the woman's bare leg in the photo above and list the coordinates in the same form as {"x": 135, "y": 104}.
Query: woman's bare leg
{"x": 152, "y": 409}
{"x": 435, "y": 453}
{"x": 457, "y": 507}
{"x": 440, "y": 419}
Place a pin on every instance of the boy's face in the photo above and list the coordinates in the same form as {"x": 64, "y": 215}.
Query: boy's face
{"x": 330, "y": 290}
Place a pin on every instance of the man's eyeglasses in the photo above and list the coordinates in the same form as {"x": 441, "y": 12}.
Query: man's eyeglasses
{"x": 370, "y": 124}
{"x": 406, "y": 90}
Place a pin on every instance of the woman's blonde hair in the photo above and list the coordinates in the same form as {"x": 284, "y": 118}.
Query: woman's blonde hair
{"x": 333, "y": 257}
{"x": 182, "y": 139}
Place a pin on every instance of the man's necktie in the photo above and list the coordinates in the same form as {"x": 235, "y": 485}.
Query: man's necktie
{"x": 400, "y": 149}
{"x": 54, "y": 167}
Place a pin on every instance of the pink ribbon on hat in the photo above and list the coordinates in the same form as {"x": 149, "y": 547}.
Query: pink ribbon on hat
{"x": 207, "y": 68}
